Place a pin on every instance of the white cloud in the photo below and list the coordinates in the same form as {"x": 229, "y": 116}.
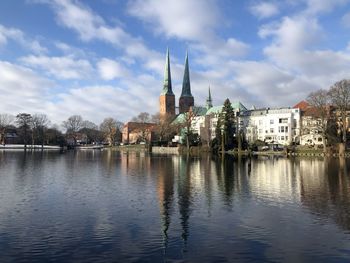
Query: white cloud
{"x": 60, "y": 67}
{"x": 110, "y": 69}
{"x": 22, "y": 90}
{"x": 193, "y": 21}
{"x": 184, "y": 19}
{"x": 317, "y": 7}
{"x": 264, "y": 9}
{"x": 346, "y": 20}
{"x": 293, "y": 33}
{"x": 90, "y": 26}
{"x": 18, "y": 36}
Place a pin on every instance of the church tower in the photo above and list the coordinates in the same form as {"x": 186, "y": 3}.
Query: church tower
{"x": 186, "y": 100}
{"x": 167, "y": 97}
{"x": 209, "y": 103}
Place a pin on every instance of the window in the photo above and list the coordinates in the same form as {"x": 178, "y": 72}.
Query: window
{"x": 283, "y": 120}
{"x": 271, "y": 130}
{"x": 286, "y": 129}
{"x": 282, "y": 138}
{"x": 286, "y": 138}
{"x": 281, "y": 129}
{"x": 320, "y": 139}
{"x": 271, "y": 121}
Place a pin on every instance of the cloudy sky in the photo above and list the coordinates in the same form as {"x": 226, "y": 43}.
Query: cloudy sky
{"x": 106, "y": 58}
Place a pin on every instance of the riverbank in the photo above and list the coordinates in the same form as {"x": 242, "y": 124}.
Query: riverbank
{"x": 29, "y": 147}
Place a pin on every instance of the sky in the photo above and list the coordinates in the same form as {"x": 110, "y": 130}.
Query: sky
{"x": 106, "y": 58}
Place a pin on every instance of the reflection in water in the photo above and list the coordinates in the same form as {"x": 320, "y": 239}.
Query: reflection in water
{"x": 165, "y": 190}
{"x": 134, "y": 206}
{"x": 184, "y": 195}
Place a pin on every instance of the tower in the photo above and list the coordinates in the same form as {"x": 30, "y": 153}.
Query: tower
{"x": 186, "y": 99}
{"x": 209, "y": 103}
{"x": 167, "y": 97}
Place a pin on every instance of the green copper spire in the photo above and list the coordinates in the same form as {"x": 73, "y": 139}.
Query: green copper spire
{"x": 186, "y": 86}
{"x": 209, "y": 100}
{"x": 167, "y": 88}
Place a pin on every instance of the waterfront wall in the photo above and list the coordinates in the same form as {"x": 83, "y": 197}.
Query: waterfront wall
{"x": 167, "y": 150}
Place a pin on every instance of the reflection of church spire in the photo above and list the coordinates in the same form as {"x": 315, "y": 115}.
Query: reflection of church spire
{"x": 165, "y": 197}
{"x": 184, "y": 192}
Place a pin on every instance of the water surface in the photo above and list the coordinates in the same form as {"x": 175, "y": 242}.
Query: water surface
{"x": 92, "y": 206}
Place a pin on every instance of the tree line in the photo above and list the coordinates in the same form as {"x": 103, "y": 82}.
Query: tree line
{"x": 37, "y": 129}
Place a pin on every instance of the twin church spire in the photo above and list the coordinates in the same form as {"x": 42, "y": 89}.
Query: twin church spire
{"x": 167, "y": 87}
{"x": 167, "y": 97}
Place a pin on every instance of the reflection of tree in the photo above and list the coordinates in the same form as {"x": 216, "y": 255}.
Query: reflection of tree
{"x": 165, "y": 188}
{"x": 207, "y": 171}
{"x": 325, "y": 189}
{"x": 225, "y": 168}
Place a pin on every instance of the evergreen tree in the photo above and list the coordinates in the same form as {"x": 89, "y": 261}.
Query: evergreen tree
{"x": 228, "y": 122}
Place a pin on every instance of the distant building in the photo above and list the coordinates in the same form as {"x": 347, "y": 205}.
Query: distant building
{"x": 186, "y": 100}
{"x": 167, "y": 97}
{"x": 136, "y": 132}
{"x": 273, "y": 126}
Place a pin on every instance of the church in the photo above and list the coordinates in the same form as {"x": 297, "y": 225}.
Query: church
{"x": 167, "y": 105}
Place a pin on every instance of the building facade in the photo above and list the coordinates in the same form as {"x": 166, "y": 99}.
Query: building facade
{"x": 272, "y": 126}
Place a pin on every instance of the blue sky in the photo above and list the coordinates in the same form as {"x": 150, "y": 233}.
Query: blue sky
{"x": 106, "y": 58}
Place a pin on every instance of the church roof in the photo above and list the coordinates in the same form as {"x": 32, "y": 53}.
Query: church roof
{"x": 235, "y": 105}
{"x": 167, "y": 87}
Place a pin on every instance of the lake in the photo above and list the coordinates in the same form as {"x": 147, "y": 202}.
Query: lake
{"x": 109, "y": 206}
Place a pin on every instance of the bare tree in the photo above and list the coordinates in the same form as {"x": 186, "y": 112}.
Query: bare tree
{"x": 73, "y": 125}
{"x": 23, "y": 121}
{"x": 91, "y": 131}
{"x": 319, "y": 100}
{"x": 165, "y": 129}
{"x": 340, "y": 97}
{"x": 187, "y": 124}
{"x": 111, "y": 129}
{"x": 39, "y": 124}
{"x": 143, "y": 117}
{"x": 145, "y": 128}
{"x": 5, "y": 121}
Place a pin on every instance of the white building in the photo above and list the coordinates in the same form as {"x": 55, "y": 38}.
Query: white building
{"x": 273, "y": 126}
{"x": 205, "y": 123}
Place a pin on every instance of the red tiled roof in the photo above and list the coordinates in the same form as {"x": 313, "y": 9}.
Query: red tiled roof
{"x": 303, "y": 105}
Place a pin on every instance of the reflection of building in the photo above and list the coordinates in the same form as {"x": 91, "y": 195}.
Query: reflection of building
{"x": 325, "y": 188}
{"x": 165, "y": 189}
{"x": 184, "y": 196}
